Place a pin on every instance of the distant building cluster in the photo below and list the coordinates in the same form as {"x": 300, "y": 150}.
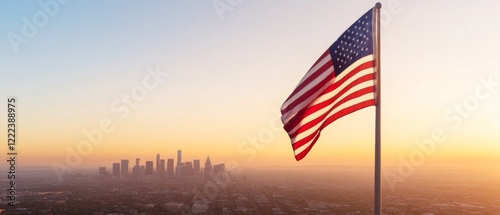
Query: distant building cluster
{"x": 158, "y": 169}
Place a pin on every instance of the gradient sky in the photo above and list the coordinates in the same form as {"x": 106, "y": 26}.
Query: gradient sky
{"x": 227, "y": 79}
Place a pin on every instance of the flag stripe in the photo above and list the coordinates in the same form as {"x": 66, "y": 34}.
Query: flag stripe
{"x": 363, "y": 65}
{"x": 309, "y": 89}
{"x": 349, "y": 108}
{"x": 325, "y": 59}
{"x": 364, "y": 62}
{"x": 301, "y": 154}
{"x": 318, "y": 113}
{"x": 347, "y": 81}
{"x": 315, "y": 87}
{"x": 304, "y": 134}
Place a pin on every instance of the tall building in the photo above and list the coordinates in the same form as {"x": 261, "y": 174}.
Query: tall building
{"x": 219, "y": 168}
{"x": 116, "y": 169}
{"x": 124, "y": 169}
{"x": 142, "y": 169}
{"x": 149, "y": 168}
{"x": 158, "y": 163}
{"x": 188, "y": 169}
{"x": 102, "y": 171}
{"x": 219, "y": 171}
{"x": 162, "y": 167}
{"x": 196, "y": 166}
{"x": 179, "y": 157}
{"x": 170, "y": 167}
{"x": 180, "y": 171}
{"x": 208, "y": 167}
{"x": 135, "y": 169}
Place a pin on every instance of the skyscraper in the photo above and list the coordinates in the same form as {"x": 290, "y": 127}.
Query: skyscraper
{"x": 162, "y": 167}
{"x": 170, "y": 167}
{"x": 135, "y": 169}
{"x": 179, "y": 157}
{"x": 124, "y": 169}
{"x": 219, "y": 168}
{"x": 149, "y": 168}
{"x": 208, "y": 167}
{"x": 188, "y": 169}
{"x": 102, "y": 171}
{"x": 180, "y": 171}
{"x": 158, "y": 163}
{"x": 116, "y": 169}
{"x": 196, "y": 166}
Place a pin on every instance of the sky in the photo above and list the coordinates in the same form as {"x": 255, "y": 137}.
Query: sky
{"x": 209, "y": 77}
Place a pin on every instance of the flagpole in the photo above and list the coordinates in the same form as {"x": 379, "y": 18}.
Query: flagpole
{"x": 378, "y": 204}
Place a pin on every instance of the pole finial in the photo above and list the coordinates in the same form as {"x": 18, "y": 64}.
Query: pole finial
{"x": 378, "y": 5}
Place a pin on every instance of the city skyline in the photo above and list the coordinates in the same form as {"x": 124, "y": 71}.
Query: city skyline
{"x": 173, "y": 107}
{"x": 149, "y": 168}
{"x": 263, "y": 191}
{"x": 88, "y": 80}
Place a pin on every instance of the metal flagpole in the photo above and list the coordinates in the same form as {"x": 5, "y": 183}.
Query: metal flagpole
{"x": 378, "y": 204}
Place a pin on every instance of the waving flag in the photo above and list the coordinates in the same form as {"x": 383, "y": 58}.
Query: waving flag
{"x": 340, "y": 82}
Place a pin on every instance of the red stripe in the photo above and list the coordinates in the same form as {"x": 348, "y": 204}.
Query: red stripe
{"x": 326, "y": 53}
{"x": 303, "y": 128}
{"x": 297, "y": 119}
{"x": 311, "y": 91}
{"x": 347, "y": 111}
{"x": 308, "y": 94}
{"x": 361, "y": 67}
{"x": 331, "y": 119}
{"x": 304, "y": 112}
{"x": 320, "y": 118}
{"x": 306, "y": 151}
{"x": 305, "y": 140}
{"x": 306, "y": 127}
{"x": 332, "y": 87}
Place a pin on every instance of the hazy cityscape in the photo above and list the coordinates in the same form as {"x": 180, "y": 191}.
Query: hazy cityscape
{"x": 211, "y": 107}
{"x": 191, "y": 189}
{"x": 159, "y": 169}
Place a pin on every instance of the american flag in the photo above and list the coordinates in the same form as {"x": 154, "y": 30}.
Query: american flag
{"x": 340, "y": 82}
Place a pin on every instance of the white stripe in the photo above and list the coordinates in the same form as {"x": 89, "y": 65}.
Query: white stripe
{"x": 322, "y": 111}
{"x": 331, "y": 94}
{"x": 309, "y": 131}
{"x": 320, "y": 63}
{"x": 304, "y": 147}
{"x": 308, "y": 87}
{"x": 313, "y": 83}
{"x": 291, "y": 113}
{"x": 343, "y": 75}
{"x": 352, "y": 102}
